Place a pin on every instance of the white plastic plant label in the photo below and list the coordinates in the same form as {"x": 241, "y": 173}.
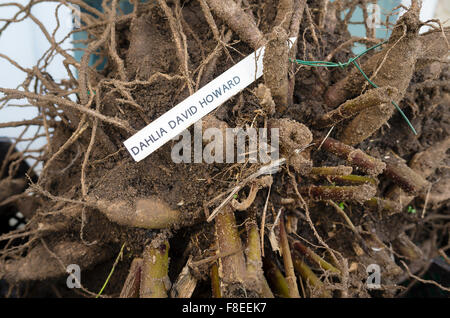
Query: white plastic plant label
{"x": 196, "y": 106}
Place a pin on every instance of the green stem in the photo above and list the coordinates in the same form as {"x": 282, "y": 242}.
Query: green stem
{"x": 327, "y": 171}
{"x": 215, "y": 282}
{"x": 353, "y": 179}
{"x": 287, "y": 259}
{"x": 275, "y": 278}
{"x": 112, "y": 271}
{"x": 314, "y": 257}
{"x": 309, "y": 277}
{"x": 155, "y": 270}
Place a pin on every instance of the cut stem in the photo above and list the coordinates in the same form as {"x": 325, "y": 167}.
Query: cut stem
{"x": 355, "y": 157}
{"x": 287, "y": 259}
{"x": 327, "y": 171}
{"x": 352, "y": 107}
{"x": 275, "y": 278}
{"x": 232, "y": 269}
{"x": 383, "y": 205}
{"x": 405, "y": 177}
{"x": 185, "y": 283}
{"x": 353, "y": 179}
{"x": 155, "y": 268}
{"x": 215, "y": 281}
{"x": 310, "y": 278}
{"x": 254, "y": 261}
{"x": 340, "y": 193}
{"x": 315, "y": 258}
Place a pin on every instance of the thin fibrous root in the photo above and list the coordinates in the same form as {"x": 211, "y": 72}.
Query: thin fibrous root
{"x": 265, "y": 181}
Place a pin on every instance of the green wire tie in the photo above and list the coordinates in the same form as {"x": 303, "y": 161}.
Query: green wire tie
{"x": 353, "y": 61}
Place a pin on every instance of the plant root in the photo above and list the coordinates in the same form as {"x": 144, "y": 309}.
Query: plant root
{"x": 373, "y": 97}
{"x": 149, "y": 213}
{"x": 239, "y": 21}
{"x": 275, "y": 71}
{"x": 355, "y": 157}
{"x": 42, "y": 262}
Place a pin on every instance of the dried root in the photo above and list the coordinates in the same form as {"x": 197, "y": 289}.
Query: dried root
{"x": 132, "y": 283}
{"x": 265, "y": 181}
